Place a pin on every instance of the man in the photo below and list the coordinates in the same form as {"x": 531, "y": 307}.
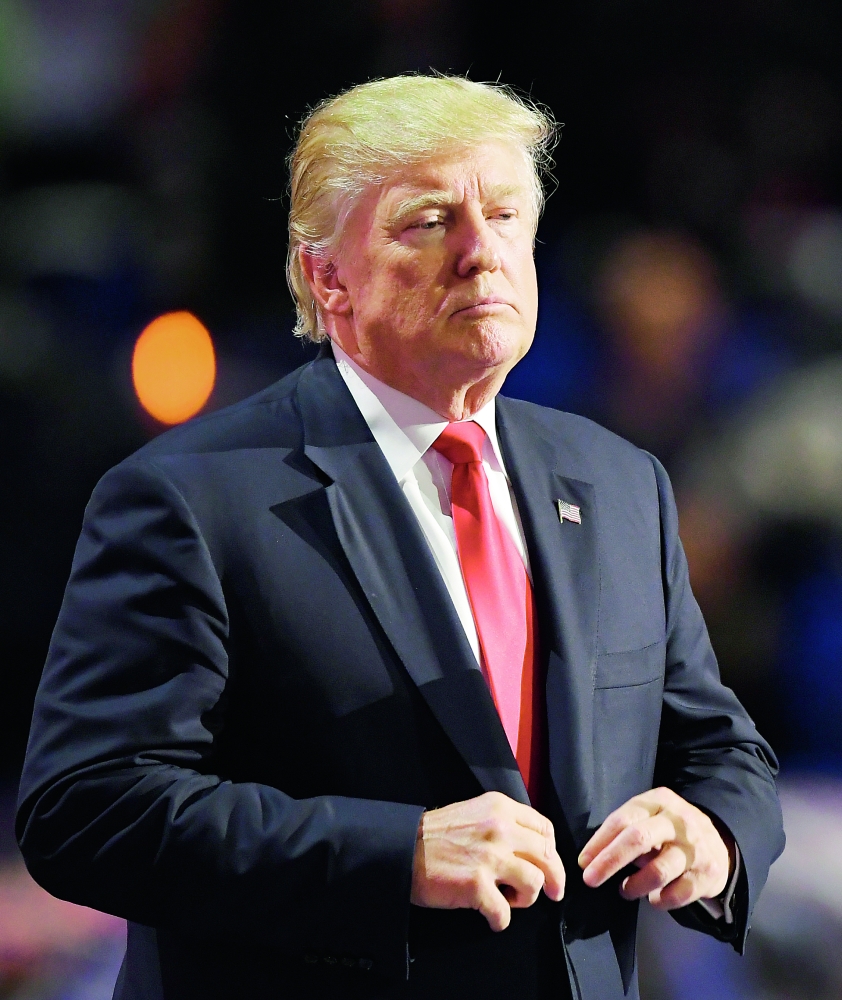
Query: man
{"x": 361, "y": 688}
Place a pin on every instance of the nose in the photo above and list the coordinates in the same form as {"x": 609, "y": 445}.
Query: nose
{"x": 477, "y": 250}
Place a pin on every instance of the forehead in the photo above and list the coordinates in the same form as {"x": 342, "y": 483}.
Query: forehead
{"x": 484, "y": 171}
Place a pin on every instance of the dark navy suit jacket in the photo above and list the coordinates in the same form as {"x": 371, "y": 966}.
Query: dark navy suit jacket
{"x": 258, "y": 682}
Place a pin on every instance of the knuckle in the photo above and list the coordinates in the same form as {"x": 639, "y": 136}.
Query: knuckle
{"x": 497, "y": 801}
{"x": 495, "y": 827}
{"x": 637, "y": 837}
{"x": 660, "y": 870}
{"x": 527, "y": 896}
{"x": 691, "y": 877}
{"x": 531, "y": 895}
{"x": 485, "y": 803}
{"x": 535, "y": 879}
{"x": 693, "y": 855}
{"x": 617, "y": 821}
{"x": 707, "y": 830}
{"x": 683, "y": 893}
{"x": 716, "y": 872}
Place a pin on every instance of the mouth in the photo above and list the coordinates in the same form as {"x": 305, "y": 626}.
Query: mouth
{"x": 483, "y": 307}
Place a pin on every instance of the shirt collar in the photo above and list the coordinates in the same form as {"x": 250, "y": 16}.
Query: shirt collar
{"x": 404, "y": 427}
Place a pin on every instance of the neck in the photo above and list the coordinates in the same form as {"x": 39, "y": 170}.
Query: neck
{"x": 453, "y": 399}
{"x": 462, "y": 402}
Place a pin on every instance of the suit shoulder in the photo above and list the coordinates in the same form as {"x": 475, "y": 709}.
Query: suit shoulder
{"x": 214, "y": 464}
{"x": 266, "y": 419}
{"x": 593, "y": 446}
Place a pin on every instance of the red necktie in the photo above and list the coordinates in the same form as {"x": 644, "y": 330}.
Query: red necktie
{"x": 500, "y": 594}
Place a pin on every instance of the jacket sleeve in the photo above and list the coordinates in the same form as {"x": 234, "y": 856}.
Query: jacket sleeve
{"x": 709, "y": 750}
{"x": 119, "y": 806}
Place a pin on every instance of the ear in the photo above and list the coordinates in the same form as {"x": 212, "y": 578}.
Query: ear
{"x": 323, "y": 278}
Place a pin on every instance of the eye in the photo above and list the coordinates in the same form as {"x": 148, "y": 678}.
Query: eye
{"x": 427, "y": 224}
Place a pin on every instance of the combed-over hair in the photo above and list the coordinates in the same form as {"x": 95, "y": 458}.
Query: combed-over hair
{"x": 360, "y": 138}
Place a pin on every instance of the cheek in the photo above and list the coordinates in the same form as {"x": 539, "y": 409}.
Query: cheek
{"x": 410, "y": 298}
{"x": 529, "y": 284}
{"x": 392, "y": 312}
{"x": 519, "y": 266}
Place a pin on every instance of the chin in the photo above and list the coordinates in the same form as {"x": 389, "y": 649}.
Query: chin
{"x": 494, "y": 346}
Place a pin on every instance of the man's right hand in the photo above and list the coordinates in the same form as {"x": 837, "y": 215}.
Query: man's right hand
{"x": 488, "y": 854}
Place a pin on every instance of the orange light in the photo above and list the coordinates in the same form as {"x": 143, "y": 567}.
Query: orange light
{"x": 173, "y": 367}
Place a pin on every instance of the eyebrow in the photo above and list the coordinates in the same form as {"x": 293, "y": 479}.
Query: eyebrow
{"x": 443, "y": 199}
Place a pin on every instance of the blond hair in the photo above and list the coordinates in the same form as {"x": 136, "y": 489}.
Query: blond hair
{"x": 358, "y": 139}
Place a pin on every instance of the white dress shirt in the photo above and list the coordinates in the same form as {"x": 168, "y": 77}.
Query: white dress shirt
{"x": 405, "y": 429}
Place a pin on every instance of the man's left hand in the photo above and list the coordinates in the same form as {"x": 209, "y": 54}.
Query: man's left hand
{"x": 681, "y": 855}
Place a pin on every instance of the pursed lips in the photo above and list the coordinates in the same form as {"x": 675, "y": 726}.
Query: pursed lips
{"x": 480, "y": 305}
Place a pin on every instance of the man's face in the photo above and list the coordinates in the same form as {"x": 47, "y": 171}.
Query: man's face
{"x": 438, "y": 274}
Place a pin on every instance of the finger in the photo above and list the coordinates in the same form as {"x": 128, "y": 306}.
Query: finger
{"x": 517, "y": 828}
{"x": 541, "y": 852}
{"x": 555, "y": 880}
{"x": 635, "y": 840}
{"x": 520, "y": 882}
{"x": 493, "y": 905}
{"x": 613, "y": 825}
{"x": 531, "y": 819}
{"x": 680, "y": 892}
{"x": 667, "y": 865}
{"x": 505, "y": 818}
{"x": 637, "y": 808}
{"x": 530, "y": 836}
{"x": 644, "y": 859}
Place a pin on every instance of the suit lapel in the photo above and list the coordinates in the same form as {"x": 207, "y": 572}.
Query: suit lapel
{"x": 390, "y": 557}
{"x": 565, "y": 565}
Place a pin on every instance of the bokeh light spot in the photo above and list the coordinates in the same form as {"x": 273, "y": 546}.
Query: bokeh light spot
{"x": 174, "y": 367}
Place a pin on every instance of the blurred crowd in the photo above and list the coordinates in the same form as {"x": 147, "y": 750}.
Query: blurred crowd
{"x": 690, "y": 265}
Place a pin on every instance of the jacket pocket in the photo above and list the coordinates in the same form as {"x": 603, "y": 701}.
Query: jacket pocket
{"x": 627, "y": 716}
{"x": 631, "y": 667}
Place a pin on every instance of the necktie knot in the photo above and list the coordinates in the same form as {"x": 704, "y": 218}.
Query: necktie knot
{"x": 461, "y": 442}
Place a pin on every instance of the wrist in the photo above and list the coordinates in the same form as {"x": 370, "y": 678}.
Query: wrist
{"x": 419, "y": 865}
{"x": 727, "y": 839}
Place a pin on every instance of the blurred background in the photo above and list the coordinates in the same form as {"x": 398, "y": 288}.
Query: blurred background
{"x": 690, "y": 263}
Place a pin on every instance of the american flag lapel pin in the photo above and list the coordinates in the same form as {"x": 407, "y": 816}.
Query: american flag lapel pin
{"x": 568, "y": 512}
